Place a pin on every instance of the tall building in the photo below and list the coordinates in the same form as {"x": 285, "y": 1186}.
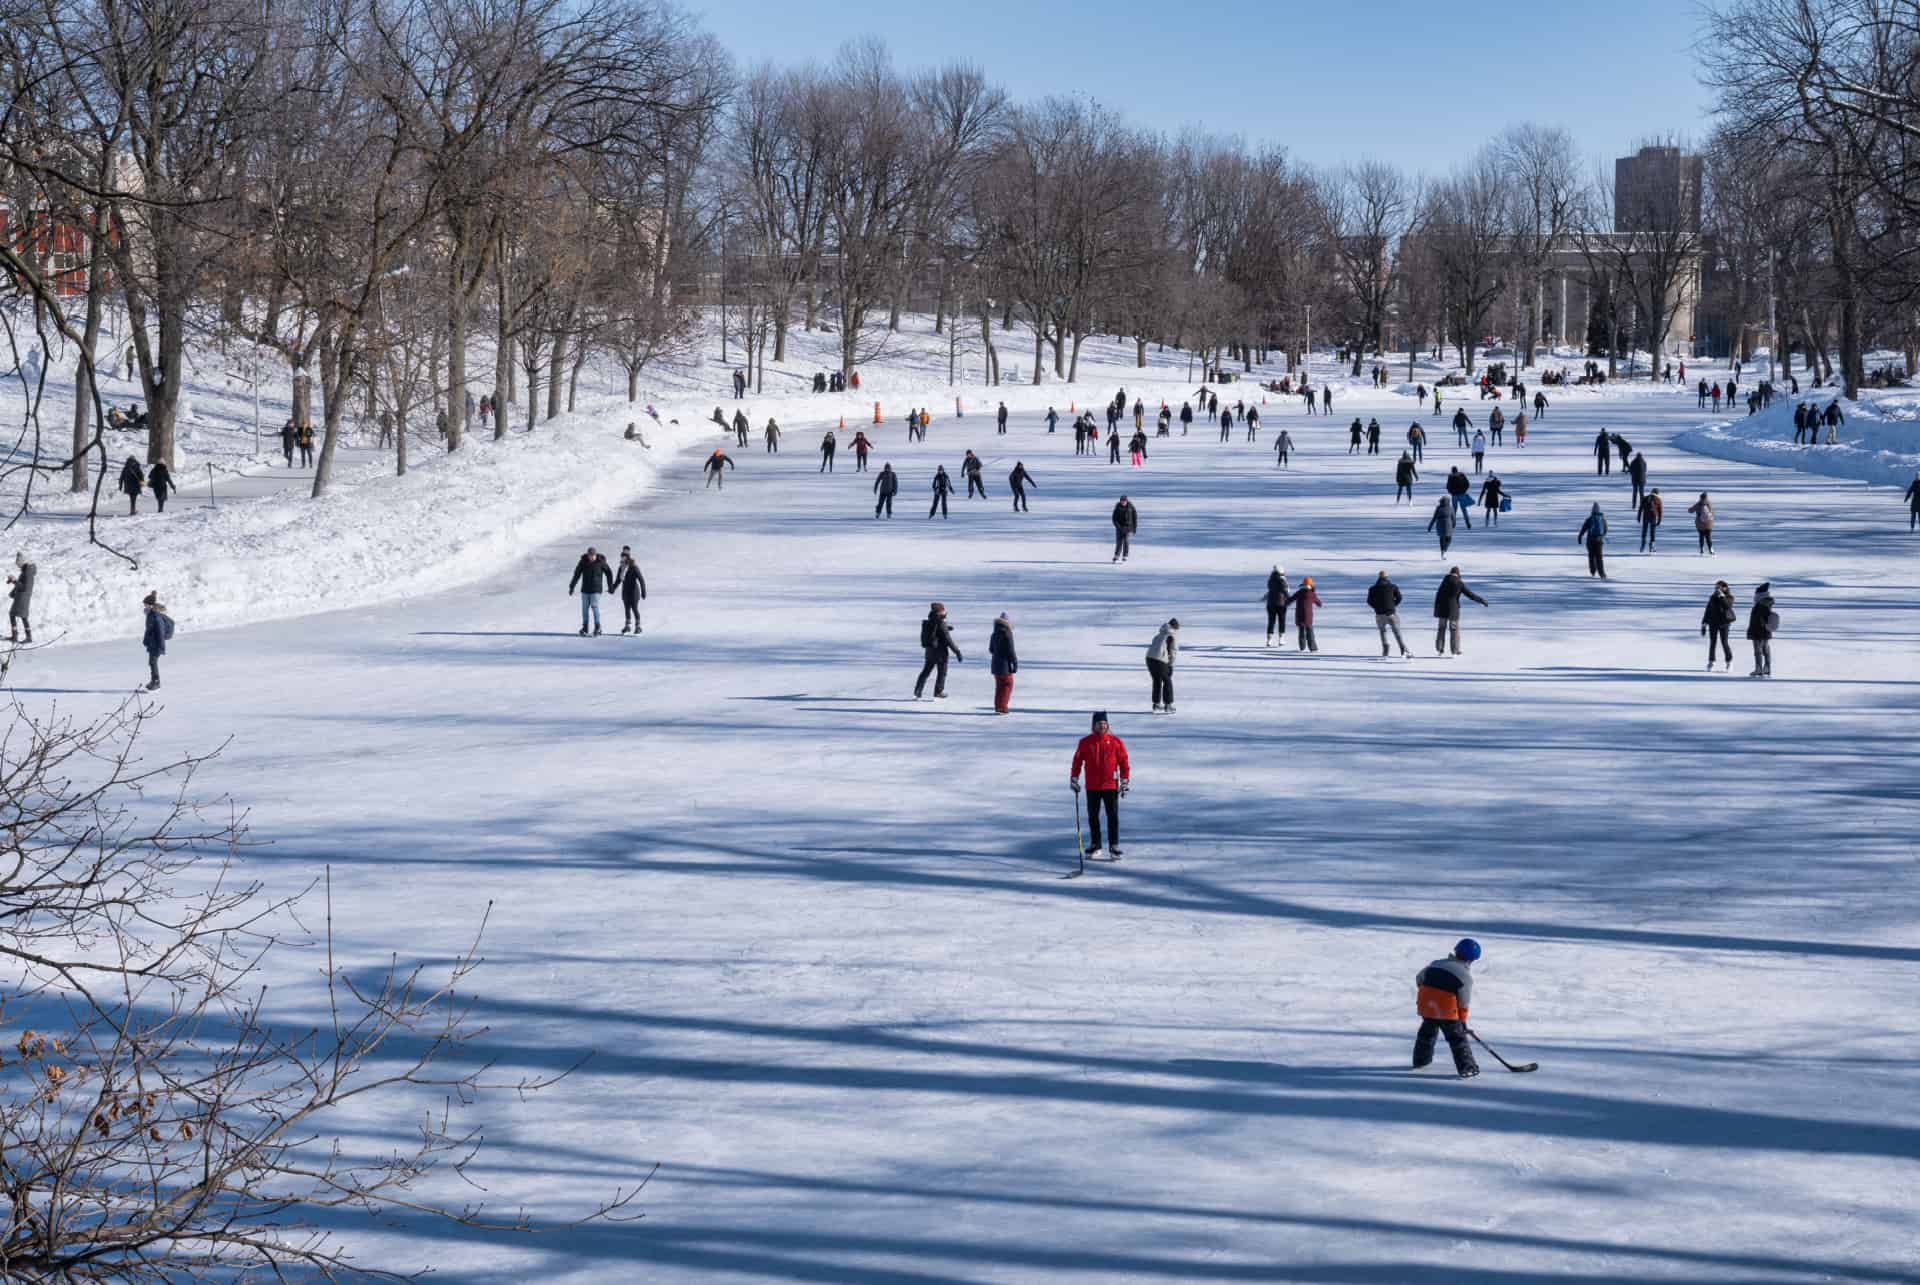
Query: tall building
{"x": 1657, "y": 189}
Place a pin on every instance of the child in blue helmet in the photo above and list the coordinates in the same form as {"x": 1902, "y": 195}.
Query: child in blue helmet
{"x": 1443, "y": 993}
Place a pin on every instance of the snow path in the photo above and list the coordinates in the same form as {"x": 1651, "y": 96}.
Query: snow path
{"x": 816, "y": 933}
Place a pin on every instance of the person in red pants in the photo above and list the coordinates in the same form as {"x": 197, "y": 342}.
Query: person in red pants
{"x": 1104, "y": 756}
{"x": 1004, "y": 662}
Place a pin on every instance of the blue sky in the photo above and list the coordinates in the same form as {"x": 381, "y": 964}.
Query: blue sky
{"x": 1415, "y": 84}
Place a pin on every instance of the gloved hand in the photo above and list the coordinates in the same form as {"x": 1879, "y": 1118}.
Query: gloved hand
{"x": 1073, "y": 783}
{"x": 1703, "y": 631}
{"x": 1125, "y": 785}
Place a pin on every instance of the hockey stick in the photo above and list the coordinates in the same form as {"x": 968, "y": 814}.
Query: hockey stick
{"x": 1530, "y": 1066}
{"x": 1078, "y": 840}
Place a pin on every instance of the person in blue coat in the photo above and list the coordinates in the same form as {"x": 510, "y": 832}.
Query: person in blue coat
{"x": 159, "y": 629}
{"x": 1593, "y": 534}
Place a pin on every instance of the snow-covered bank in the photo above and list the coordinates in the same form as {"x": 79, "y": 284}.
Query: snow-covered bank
{"x": 454, "y": 519}
{"x": 1879, "y": 443}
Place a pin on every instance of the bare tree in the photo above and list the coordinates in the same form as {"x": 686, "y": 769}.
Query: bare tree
{"x": 1364, "y": 210}
{"x": 1465, "y": 229}
{"x": 156, "y": 1125}
{"x": 1546, "y": 191}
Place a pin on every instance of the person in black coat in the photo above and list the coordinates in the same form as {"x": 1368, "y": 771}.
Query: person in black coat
{"x": 286, "y": 441}
{"x": 20, "y": 599}
{"x": 131, "y": 480}
{"x": 942, "y": 488}
{"x": 1716, "y": 622}
{"x": 1020, "y": 480}
{"x": 1383, "y": 596}
{"x": 715, "y": 466}
{"x": 828, "y": 445}
{"x": 1278, "y": 592}
{"x": 1446, "y": 609}
{"x": 593, "y": 577}
{"x": 936, "y": 641}
{"x": 1004, "y": 662}
{"x": 885, "y": 486}
{"x": 632, "y": 586}
{"x": 1405, "y": 474}
{"x": 1761, "y": 623}
{"x": 1126, "y": 521}
{"x": 1602, "y": 454}
{"x": 1458, "y": 484}
{"x": 1637, "y": 474}
{"x": 160, "y": 482}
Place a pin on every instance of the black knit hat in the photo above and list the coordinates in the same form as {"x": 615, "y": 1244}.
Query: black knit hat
{"x": 1099, "y": 717}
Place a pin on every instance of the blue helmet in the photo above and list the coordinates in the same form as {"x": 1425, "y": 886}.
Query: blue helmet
{"x": 1468, "y": 949}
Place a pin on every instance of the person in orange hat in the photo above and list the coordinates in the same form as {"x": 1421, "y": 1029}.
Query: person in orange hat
{"x": 1304, "y": 601}
{"x": 715, "y": 463}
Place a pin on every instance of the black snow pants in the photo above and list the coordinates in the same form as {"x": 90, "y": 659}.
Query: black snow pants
{"x": 1162, "y": 681}
{"x": 1456, "y": 1033}
{"x": 1097, "y": 801}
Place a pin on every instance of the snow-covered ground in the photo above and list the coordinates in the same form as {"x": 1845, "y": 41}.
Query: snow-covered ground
{"x": 816, "y": 934}
{"x": 1879, "y": 443}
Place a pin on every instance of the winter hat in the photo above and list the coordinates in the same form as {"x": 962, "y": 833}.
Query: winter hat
{"x": 1277, "y": 567}
{"x": 1467, "y": 949}
{"x": 1004, "y": 620}
{"x": 938, "y": 608}
{"x": 152, "y": 599}
{"x": 1174, "y": 625}
{"x": 1099, "y": 717}
{"x": 1307, "y": 583}
{"x": 1766, "y": 587}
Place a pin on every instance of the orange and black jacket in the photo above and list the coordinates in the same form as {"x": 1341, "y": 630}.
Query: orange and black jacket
{"x": 1445, "y": 990}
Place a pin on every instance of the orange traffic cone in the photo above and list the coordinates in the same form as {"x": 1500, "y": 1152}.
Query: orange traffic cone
{"x": 843, "y": 421}
{"x": 876, "y": 412}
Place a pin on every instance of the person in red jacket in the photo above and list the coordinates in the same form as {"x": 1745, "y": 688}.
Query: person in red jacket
{"x": 1104, "y": 756}
{"x": 1304, "y": 601}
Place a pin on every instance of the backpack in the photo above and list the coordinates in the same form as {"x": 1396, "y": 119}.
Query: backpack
{"x": 1773, "y": 622}
{"x": 926, "y": 632}
{"x": 166, "y": 626}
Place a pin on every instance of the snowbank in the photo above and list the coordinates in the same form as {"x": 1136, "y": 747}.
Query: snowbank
{"x": 453, "y": 519}
{"x": 1879, "y": 443}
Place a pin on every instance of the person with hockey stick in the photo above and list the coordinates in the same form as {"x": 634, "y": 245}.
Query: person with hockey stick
{"x": 592, "y": 577}
{"x": 1278, "y": 594}
{"x": 1383, "y": 596}
{"x": 936, "y": 644}
{"x": 1443, "y": 992}
{"x": 632, "y": 586}
{"x": 1020, "y": 480}
{"x": 886, "y": 486}
{"x": 1162, "y": 652}
{"x": 715, "y": 463}
{"x": 1103, "y": 756}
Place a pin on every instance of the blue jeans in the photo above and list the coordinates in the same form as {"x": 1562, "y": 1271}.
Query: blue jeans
{"x": 1465, "y": 505}
{"x": 590, "y": 610}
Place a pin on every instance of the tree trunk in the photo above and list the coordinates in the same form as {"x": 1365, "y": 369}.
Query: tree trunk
{"x": 1073, "y": 371}
{"x": 503, "y": 340}
{"x": 556, "y": 366}
{"x": 573, "y": 375}
{"x": 1039, "y": 350}
{"x": 83, "y": 381}
{"x": 456, "y": 356}
{"x": 1140, "y": 352}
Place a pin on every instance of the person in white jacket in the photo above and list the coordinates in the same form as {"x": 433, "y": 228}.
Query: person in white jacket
{"x": 1161, "y": 654}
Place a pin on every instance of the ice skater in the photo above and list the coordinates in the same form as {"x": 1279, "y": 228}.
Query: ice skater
{"x": 1443, "y": 993}
{"x": 1103, "y": 756}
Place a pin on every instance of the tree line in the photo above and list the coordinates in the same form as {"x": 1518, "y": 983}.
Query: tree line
{"x": 386, "y": 193}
